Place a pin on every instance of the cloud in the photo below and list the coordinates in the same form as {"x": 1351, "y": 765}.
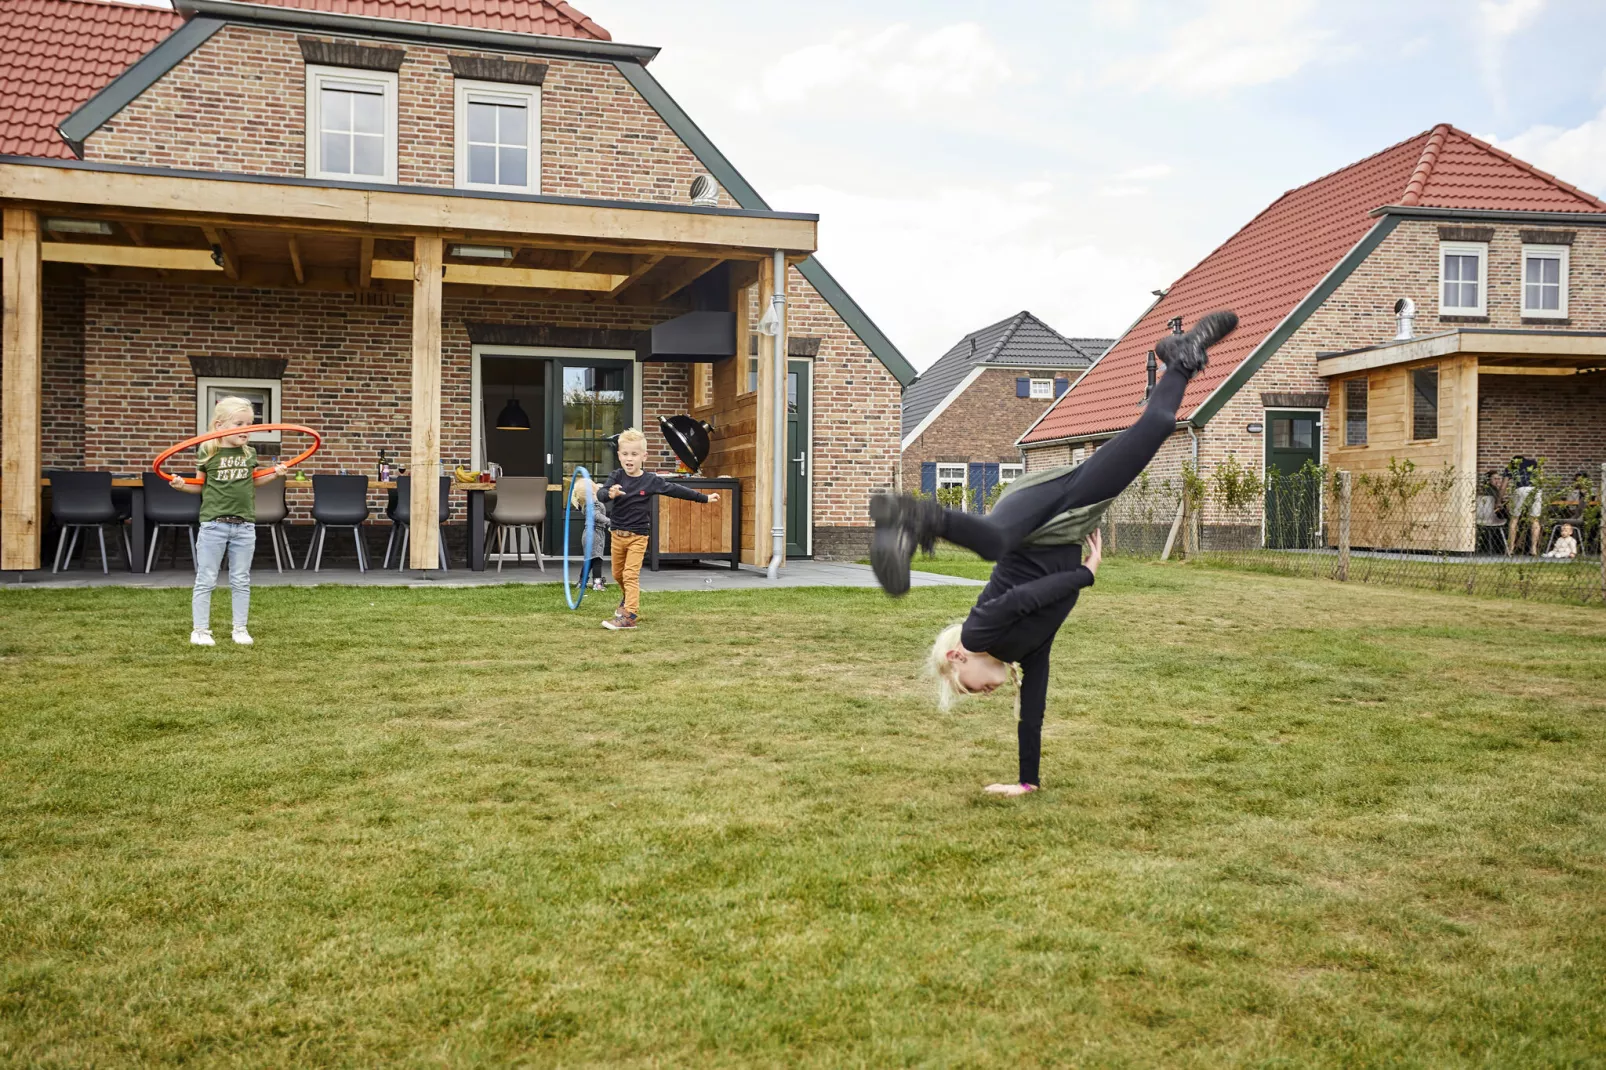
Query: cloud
{"x": 1576, "y": 154}
{"x": 896, "y": 63}
{"x": 978, "y": 254}
{"x": 1497, "y": 21}
{"x": 1134, "y": 183}
{"x": 1236, "y": 43}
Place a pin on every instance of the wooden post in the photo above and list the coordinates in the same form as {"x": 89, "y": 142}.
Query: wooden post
{"x": 764, "y": 443}
{"x": 424, "y": 545}
{"x": 1344, "y": 484}
{"x": 21, "y": 384}
{"x": 1176, "y": 525}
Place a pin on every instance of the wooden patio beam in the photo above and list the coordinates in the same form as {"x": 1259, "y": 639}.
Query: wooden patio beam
{"x": 138, "y": 256}
{"x": 424, "y": 544}
{"x": 678, "y": 279}
{"x": 492, "y": 275}
{"x": 21, "y": 387}
{"x": 365, "y": 263}
{"x": 643, "y": 265}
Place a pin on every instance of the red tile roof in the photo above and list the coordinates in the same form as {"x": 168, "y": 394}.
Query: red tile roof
{"x": 56, "y": 54}
{"x": 552, "y": 18}
{"x": 1266, "y": 269}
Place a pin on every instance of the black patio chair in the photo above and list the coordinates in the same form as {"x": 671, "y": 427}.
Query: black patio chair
{"x": 169, "y": 509}
{"x": 338, "y": 502}
{"x": 80, "y": 500}
{"x": 400, "y": 512}
{"x": 272, "y": 512}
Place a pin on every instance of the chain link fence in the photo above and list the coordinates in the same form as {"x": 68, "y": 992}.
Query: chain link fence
{"x": 1523, "y": 534}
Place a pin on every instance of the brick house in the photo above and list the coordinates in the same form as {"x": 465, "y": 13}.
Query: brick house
{"x": 962, "y": 415}
{"x": 1505, "y": 266}
{"x": 385, "y": 220}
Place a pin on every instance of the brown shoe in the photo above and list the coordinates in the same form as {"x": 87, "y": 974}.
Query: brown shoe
{"x": 621, "y": 622}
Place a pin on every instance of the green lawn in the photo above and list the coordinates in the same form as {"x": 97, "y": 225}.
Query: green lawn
{"x": 1286, "y": 823}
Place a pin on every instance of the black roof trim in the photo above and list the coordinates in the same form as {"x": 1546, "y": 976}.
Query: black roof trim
{"x": 377, "y": 187}
{"x": 300, "y": 18}
{"x": 1583, "y": 219}
{"x": 725, "y": 173}
{"x": 140, "y": 75}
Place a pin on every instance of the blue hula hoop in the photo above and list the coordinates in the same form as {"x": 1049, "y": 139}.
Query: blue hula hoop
{"x": 587, "y": 540}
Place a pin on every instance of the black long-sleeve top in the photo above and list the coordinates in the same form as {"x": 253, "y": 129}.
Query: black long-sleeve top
{"x": 1031, "y": 592}
{"x": 632, "y": 512}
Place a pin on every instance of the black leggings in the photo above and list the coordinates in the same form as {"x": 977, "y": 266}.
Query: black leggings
{"x": 1102, "y": 476}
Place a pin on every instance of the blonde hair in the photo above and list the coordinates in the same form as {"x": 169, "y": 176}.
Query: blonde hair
{"x": 583, "y": 488}
{"x": 946, "y": 671}
{"x": 225, "y": 408}
{"x": 632, "y": 435}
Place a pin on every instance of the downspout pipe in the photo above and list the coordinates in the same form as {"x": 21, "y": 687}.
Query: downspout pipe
{"x": 778, "y": 407}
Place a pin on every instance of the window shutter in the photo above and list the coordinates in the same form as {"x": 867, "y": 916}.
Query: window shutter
{"x": 928, "y": 477}
{"x": 989, "y": 482}
{"x": 974, "y": 485}
{"x": 1060, "y": 386}
{"x": 1023, "y": 388}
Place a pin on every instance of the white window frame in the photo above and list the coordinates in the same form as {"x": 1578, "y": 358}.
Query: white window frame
{"x": 964, "y": 476}
{"x": 527, "y": 96}
{"x": 1458, "y": 248}
{"x": 386, "y": 81}
{"x": 205, "y": 384}
{"x": 1546, "y": 252}
{"x": 1046, "y": 386}
{"x": 1004, "y": 476}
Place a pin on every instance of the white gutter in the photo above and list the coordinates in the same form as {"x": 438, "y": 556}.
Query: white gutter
{"x": 778, "y": 467}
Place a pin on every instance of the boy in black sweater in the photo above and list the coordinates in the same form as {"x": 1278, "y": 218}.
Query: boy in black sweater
{"x": 628, "y": 496}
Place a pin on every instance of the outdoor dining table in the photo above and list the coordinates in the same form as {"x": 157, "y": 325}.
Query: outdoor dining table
{"x": 475, "y": 493}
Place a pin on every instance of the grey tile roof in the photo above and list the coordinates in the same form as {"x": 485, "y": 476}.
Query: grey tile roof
{"x": 1021, "y": 341}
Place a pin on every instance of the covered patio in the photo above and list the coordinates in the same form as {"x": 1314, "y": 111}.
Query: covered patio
{"x": 359, "y": 289}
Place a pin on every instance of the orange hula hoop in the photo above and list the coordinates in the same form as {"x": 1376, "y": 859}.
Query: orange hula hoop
{"x": 191, "y": 443}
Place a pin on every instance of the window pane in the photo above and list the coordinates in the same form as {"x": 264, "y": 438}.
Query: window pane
{"x": 1282, "y": 434}
{"x": 1531, "y": 270}
{"x": 512, "y": 125}
{"x": 336, "y": 153}
{"x": 368, "y": 155}
{"x": 514, "y": 172}
{"x": 1452, "y": 268}
{"x": 368, "y": 113}
{"x": 335, "y": 110}
{"x": 1302, "y": 434}
{"x": 752, "y": 374}
{"x": 482, "y": 165}
{"x": 1531, "y": 296}
{"x": 1550, "y": 299}
{"x": 1469, "y": 295}
{"x": 481, "y": 122}
{"x": 1552, "y": 271}
{"x": 1425, "y": 403}
{"x": 1355, "y": 412}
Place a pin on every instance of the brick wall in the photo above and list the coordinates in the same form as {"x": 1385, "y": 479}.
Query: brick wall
{"x": 981, "y": 424}
{"x": 1562, "y": 419}
{"x": 62, "y": 402}
{"x": 238, "y": 103}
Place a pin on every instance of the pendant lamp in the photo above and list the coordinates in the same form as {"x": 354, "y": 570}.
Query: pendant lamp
{"x": 513, "y": 417}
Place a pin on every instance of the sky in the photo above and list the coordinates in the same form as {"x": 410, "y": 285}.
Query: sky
{"x": 972, "y": 160}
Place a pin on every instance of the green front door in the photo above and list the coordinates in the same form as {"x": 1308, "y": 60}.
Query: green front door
{"x": 798, "y": 458}
{"x": 590, "y": 400}
{"x": 1293, "y": 486}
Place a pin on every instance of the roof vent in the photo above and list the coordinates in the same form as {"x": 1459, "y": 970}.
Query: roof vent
{"x": 1405, "y": 313}
{"x": 704, "y": 192}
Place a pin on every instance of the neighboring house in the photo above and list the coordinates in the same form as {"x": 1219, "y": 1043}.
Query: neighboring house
{"x": 1506, "y": 266}
{"x": 387, "y": 220}
{"x": 961, "y": 417}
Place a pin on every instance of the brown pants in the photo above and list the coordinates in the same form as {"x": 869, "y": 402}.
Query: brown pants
{"x": 628, "y": 550}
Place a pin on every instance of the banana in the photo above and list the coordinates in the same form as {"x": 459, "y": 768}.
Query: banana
{"x": 465, "y": 476}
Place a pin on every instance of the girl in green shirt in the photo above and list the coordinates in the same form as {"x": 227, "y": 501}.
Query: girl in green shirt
{"x": 228, "y": 518}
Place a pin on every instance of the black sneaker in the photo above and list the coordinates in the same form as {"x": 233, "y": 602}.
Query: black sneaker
{"x": 893, "y": 543}
{"x": 1186, "y": 353}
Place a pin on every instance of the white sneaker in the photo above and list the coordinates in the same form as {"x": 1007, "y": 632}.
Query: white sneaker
{"x": 243, "y": 637}
{"x": 200, "y": 637}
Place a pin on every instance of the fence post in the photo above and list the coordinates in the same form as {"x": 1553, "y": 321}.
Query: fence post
{"x": 1171, "y": 539}
{"x": 1109, "y": 544}
{"x": 1343, "y": 524}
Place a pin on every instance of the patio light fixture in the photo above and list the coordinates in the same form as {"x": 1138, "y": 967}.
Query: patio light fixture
{"x": 79, "y": 226}
{"x": 481, "y": 252}
{"x": 513, "y": 417}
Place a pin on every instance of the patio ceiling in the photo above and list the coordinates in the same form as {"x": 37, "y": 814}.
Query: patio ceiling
{"x": 1499, "y": 351}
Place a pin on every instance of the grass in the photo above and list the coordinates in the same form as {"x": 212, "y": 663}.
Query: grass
{"x": 1285, "y": 823}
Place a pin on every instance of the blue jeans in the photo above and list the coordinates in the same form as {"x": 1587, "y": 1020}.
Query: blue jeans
{"x": 240, "y": 542}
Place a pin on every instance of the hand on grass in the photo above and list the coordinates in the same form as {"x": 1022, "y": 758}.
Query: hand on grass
{"x": 1010, "y": 789}
{"x": 1095, "y": 552}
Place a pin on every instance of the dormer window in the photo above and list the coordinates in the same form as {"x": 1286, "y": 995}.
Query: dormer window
{"x": 351, "y": 124}
{"x": 498, "y": 137}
